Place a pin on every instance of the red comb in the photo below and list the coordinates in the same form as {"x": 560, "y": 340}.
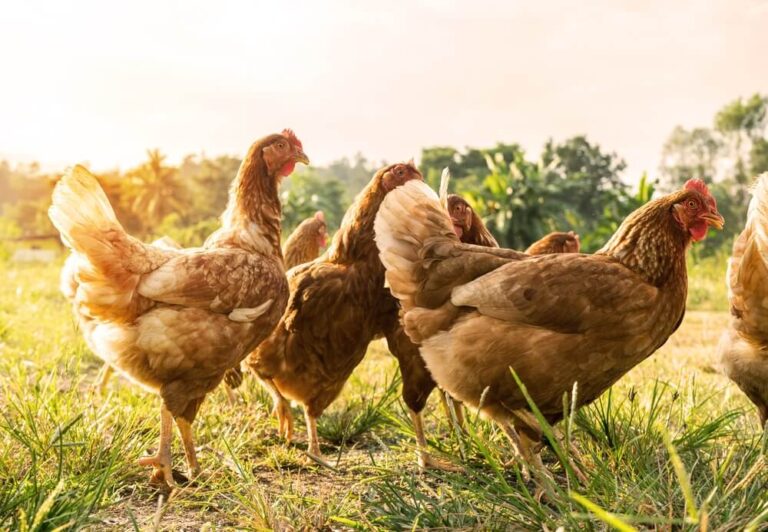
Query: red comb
{"x": 320, "y": 216}
{"x": 698, "y": 185}
{"x": 292, "y": 138}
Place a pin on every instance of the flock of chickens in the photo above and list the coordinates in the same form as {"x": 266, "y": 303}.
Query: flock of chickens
{"x": 421, "y": 271}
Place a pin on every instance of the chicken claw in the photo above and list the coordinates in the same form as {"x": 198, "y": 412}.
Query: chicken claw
{"x": 161, "y": 462}
{"x": 427, "y": 461}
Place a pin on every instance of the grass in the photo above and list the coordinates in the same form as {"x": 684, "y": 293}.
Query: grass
{"x": 673, "y": 445}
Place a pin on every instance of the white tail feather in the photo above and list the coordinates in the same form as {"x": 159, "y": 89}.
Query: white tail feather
{"x": 445, "y": 178}
{"x": 408, "y": 216}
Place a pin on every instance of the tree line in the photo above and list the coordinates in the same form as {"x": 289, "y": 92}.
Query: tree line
{"x": 572, "y": 185}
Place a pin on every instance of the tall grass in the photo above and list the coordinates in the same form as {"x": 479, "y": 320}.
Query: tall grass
{"x": 671, "y": 446}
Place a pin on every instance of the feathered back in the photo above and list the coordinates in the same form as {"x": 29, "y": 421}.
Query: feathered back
{"x": 410, "y": 220}
{"x": 555, "y": 242}
{"x": 423, "y": 257}
{"x": 303, "y": 243}
{"x": 354, "y": 241}
{"x": 747, "y": 276}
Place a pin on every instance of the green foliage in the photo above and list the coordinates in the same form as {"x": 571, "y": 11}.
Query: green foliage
{"x": 305, "y": 193}
{"x": 154, "y": 189}
{"x": 746, "y": 116}
{"x": 688, "y": 154}
{"x": 759, "y": 157}
{"x": 185, "y": 234}
{"x": 573, "y": 186}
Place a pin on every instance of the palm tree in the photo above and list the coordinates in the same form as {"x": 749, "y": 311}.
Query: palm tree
{"x": 155, "y": 189}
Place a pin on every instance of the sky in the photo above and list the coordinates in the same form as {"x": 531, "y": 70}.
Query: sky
{"x": 100, "y": 83}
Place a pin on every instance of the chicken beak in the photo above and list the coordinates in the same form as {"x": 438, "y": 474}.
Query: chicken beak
{"x": 301, "y": 157}
{"x": 714, "y": 219}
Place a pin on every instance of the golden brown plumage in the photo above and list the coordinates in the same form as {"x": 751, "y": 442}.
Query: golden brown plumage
{"x": 338, "y": 305}
{"x": 555, "y": 319}
{"x": 467, "y": 224}
{"x": 173, "y": 321}
{"x": 555, "y": 242}
{"x": 743, "y": 347}
{"x": 306, "y": 241}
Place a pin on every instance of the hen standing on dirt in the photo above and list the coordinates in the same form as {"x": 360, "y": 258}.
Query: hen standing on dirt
{"x": 744, "y": 345}
{"x": 555, "y": 319}
{"x": 174, "y": 321}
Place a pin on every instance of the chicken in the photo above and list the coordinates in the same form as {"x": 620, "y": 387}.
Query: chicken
{"x": 173, "y": 321}
{"x": 470, "y": 229}
{"x": 68, "y": 285}
{"x": 306, "y": 241}
{"x": 467, "y": 224}
{"x": 303, "y": 245}
{"x": 338, "y": 305}
{"x": 554, "y": 319}
{"x": 555, "y": 242}
{"x": 743, "y": 347}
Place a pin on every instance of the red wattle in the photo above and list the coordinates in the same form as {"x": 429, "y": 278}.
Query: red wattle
{"x": 287, "y": 169}
{"x": 698, "y": 231}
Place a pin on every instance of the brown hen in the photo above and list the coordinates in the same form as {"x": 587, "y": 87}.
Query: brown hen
{"x": 555, "y": 242}
{"x": 174, "y": 321}
{"x": 306, "y": 241}
{"x": 555, "y": 320}
{"x": 338, "y": 305}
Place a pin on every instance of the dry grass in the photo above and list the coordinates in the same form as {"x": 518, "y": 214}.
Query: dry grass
{"x": 67, "y": 457}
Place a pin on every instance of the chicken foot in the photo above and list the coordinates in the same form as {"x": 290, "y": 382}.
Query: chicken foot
{"x": 427, "y": 461}
{"x": 161, "y": 461}
{"x": 313, "y": 441}
{"x": 528, "y": 450}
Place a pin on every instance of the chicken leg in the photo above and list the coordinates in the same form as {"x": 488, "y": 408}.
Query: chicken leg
{"x": 426, "y": 460}
{"x": 281, "y": 408}
{"x": 161, "y": 461}
{"x": 452, "y": 408}
{"x": 103, "y": 380}
{"x": 185, "y": 431}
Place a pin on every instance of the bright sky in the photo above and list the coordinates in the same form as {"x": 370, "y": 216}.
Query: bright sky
{"x": 100, "y": 82}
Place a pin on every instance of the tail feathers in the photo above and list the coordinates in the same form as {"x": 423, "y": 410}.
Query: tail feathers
{"x": 100, "y": 274}
{"x": 748, "y": 266}
{"x": 757, "y": 216}
{"x": 409, "y": 222}
{"x": 79, "y": 207}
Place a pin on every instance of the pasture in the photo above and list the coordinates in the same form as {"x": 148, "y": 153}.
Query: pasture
{"x": 673, "y": 445}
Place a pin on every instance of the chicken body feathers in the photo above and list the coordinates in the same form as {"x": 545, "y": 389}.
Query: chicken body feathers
{"x": 555, "y": 319}
{"x": 743, "y": 347}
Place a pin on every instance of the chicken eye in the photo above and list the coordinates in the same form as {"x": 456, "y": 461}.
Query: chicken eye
{"x": 281, "y": 145}
{"x": 399, "y": 172}
{"x": 692, "y": 204}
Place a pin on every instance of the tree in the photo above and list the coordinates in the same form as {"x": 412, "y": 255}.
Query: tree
{"x": 512, "y": 199}
{"x": 209, "y": 181}
{"x": 758, "y": 157}
{"x": 688, "y": 154}
{"x": 742, "y": 123}
{"x": 305, "y": 193}
{"x": 155, "y": 190}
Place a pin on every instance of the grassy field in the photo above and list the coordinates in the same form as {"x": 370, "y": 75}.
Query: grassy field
{"x": 673, "y": 445}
